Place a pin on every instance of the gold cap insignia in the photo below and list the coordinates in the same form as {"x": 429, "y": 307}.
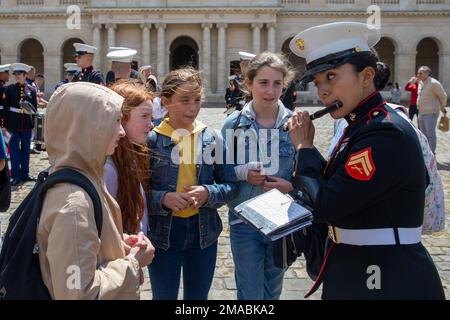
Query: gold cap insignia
{"x": 300, "y": 43}
{"x": 358, "y": 49}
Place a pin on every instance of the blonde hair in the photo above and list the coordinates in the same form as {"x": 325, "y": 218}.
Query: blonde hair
{"x": 272, "y": 60}
{"x": 178, "y": 77}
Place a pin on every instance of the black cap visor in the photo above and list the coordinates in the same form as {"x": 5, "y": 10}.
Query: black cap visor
{"x": 79, "y": 53}
{"x": 328, "y": 62}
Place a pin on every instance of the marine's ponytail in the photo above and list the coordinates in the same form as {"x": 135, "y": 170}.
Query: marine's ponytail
{"x": 382, "y": 75}
{"x": 370, "y": 59}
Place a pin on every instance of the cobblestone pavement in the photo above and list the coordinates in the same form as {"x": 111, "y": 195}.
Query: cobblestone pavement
{"x": 296, "y": 282}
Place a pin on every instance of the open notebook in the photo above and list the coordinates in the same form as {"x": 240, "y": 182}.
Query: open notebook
{"x": 274, "y": 214}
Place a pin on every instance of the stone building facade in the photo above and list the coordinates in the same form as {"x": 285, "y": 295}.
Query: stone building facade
{"x": 209, "y": 33}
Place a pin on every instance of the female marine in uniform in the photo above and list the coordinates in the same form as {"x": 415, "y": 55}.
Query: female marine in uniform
{"x": 371, "y": 190}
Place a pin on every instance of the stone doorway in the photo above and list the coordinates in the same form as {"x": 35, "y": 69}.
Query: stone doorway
{"x": 428, "y": 55}
{"x": 67, "y": 53}
{"x": 183, "y": 52}
{"x": 31, "y": 52}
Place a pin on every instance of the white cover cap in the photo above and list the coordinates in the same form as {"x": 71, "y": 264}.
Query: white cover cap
{"x": 318, "y": 42}
{"x": 246, "y": 55}
{"x": 153, "y": 78}
{"x": 117, "y": 48}
{"x": 122, "y": 55}
{"x": 71, "y": 67}
{"x": 5, "y": 67}
{"x": 85, "y": 48}
{"x": 20, "y": 67}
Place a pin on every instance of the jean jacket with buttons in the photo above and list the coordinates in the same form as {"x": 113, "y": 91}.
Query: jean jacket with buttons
{"x": 210, "y": 173}
{"x": 273, "y": 147}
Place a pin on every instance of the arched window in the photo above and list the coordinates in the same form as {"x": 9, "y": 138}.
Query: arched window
{"x": 427, "y": 55}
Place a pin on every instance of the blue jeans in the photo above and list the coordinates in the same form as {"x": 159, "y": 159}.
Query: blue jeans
{"x": 20, "y": 156}
{"x": 256, "y": 276}
{"x": 184, "y": 251}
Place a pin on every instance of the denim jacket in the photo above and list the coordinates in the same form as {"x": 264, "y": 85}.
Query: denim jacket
{"x": 164, "y": 179}
{"x": 283, "y": 158}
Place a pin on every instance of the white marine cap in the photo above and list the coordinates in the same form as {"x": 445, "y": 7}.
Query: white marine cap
{"x": 122, "y": 55}
{"x": 152, "y": 77}
{"x": 20, "y": 67}
{"x": 4, "y": 67}
{"x": 246, "y": 56}
{"x": 232, "y": 77}
{"x": 71, "y": 67}
{"x": 84, "y": 48}
{"x": 117, "y": 48}
{"x": 147, "y": 66}
{"x": 326, "y": 46}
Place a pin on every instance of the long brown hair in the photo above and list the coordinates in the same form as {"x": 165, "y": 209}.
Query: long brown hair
{"x": 132, "y": 161}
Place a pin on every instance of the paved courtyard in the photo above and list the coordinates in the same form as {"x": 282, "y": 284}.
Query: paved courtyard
{"x": 296, "y": 282}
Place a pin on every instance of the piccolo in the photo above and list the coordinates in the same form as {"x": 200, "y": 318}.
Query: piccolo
{"x": 318, "y": 114}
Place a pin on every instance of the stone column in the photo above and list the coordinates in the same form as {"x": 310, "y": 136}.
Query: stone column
{"x": 111, "y": 27}
{"x": 256, "y": 37}
{"x": 145, "y": 27}
{"x": 444, "y": 75}
{"x": 271, "y": 41}
{"x": 96, "y": 42}
{"x": 405, "y": 62}
{"x": 161, "y": 69}
{"x": 52, "y": 70}
{"x": 221, "y": 47}
{"x": 206, "y": 56}
{"x": 9, "y": 56}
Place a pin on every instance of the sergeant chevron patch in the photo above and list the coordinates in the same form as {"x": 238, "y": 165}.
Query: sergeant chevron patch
{"x": 360, "y": 165}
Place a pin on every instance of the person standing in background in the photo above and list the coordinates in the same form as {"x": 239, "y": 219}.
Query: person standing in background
{"x": 121, "y": 65}
{"x": 84, "y": 57}
{"x": 431, "y": 99}
{"x": 71, "y": 69}
{"x": 396, "y": 93}
{"x": 412, "y": 87}
{"x": 4, "y": 78}
{"x": 19, "y": 123}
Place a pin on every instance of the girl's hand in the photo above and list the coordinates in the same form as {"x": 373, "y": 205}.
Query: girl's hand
{"x": 133, "y": 240}
{"x": 199, "y": 194}
{"x": 301, "y": 130}
{"x": 255, "y": 177}
{"x": 177, "y": 201}
{"x": 273, "y": 182}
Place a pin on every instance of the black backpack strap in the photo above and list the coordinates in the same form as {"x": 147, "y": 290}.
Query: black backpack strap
{"x": 72, "y": 176}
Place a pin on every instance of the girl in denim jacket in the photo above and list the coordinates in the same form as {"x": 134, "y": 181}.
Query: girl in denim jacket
{"x": 264, "y": 158}
{"x": 187, "y": 187}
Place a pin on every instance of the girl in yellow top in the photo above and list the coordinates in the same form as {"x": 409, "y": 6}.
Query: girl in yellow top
{"x": 187, "y": 187}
